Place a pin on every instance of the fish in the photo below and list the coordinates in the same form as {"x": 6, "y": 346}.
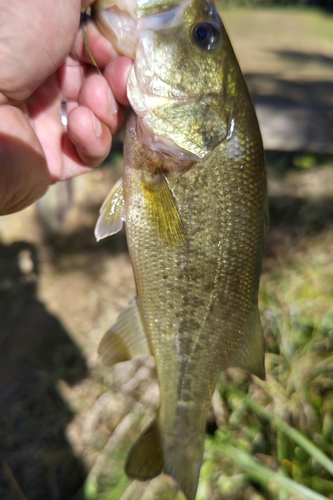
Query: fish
{"x": 193, "y": 197}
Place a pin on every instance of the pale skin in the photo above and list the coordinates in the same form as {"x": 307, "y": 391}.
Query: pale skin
{"x": 36, "y": 75}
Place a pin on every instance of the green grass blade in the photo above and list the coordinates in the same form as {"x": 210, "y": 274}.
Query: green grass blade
{"x": 294, "y": 434}
{"x": 266, "y": 476}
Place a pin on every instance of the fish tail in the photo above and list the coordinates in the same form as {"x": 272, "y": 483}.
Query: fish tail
{"x": 184, "y": 468}
{"x": 145, "y": 459}
{"x": 148, "y": 458}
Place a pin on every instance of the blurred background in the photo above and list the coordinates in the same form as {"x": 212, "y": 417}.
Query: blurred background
{"x": 66, "y": 422}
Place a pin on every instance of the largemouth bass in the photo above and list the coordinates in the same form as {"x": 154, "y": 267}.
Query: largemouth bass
{"x": 194, "y": 199}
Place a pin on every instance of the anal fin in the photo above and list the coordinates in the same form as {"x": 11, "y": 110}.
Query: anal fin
{"x": 150, "y": 456}
{"x": 125, "y": 339}
{"x": 145, "y": 459}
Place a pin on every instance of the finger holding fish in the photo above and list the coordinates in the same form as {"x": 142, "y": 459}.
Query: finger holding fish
{"x": 114, "y": 66}
{"x": 94, "y": 114}
{"x": 116, "y": 74}
{"x": 95, "y": 93}
{"x": 101, "y": 48}
{"x": 82, "y": 125}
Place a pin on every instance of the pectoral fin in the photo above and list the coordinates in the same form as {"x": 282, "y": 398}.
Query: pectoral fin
{"x": 112, "y": 213}
{"x": 251, "y": 356}
{"x": 126, "y": 339}
{"x": 163, "y": 210}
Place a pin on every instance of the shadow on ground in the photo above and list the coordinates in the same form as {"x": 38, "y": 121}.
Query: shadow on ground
{"x": 37, "y": 462}
{"x": 82, "y": 240}
{"x": 270, "y": 89}
{"x": 310, "y": 216}
{"x": 312, "y": 88}
{"x": 294, "y": 103}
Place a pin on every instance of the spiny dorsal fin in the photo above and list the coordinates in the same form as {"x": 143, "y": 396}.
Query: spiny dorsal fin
{"x": 112, "y": 213}
{"x": 162, "y": 205}
{"x": 125, "y": 339}
{"x": 145, "y": 459}
{"x": 251, "y": 356}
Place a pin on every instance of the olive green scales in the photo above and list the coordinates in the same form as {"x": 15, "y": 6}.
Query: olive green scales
{"x": 194, "y": 200}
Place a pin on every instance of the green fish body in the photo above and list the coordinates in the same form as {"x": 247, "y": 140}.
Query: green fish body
{"x": 194, "y": 200}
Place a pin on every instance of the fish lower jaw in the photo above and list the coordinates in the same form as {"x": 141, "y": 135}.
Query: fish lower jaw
{"x": 119, "y": 27}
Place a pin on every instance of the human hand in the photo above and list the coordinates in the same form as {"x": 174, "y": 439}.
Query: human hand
{"x": 36, "y": 77}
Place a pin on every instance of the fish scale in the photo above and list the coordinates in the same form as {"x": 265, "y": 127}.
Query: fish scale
{"x": 194, "y": 199}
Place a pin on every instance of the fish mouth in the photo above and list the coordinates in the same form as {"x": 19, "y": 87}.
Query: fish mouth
{"x": 122, "y": 22}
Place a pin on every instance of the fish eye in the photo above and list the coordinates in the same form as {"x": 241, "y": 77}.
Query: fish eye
{"x": 206, "y": 35}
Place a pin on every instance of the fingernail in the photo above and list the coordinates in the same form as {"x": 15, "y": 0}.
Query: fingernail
{"x": 113, "y": 106}
{"x": 97, "y": 125}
